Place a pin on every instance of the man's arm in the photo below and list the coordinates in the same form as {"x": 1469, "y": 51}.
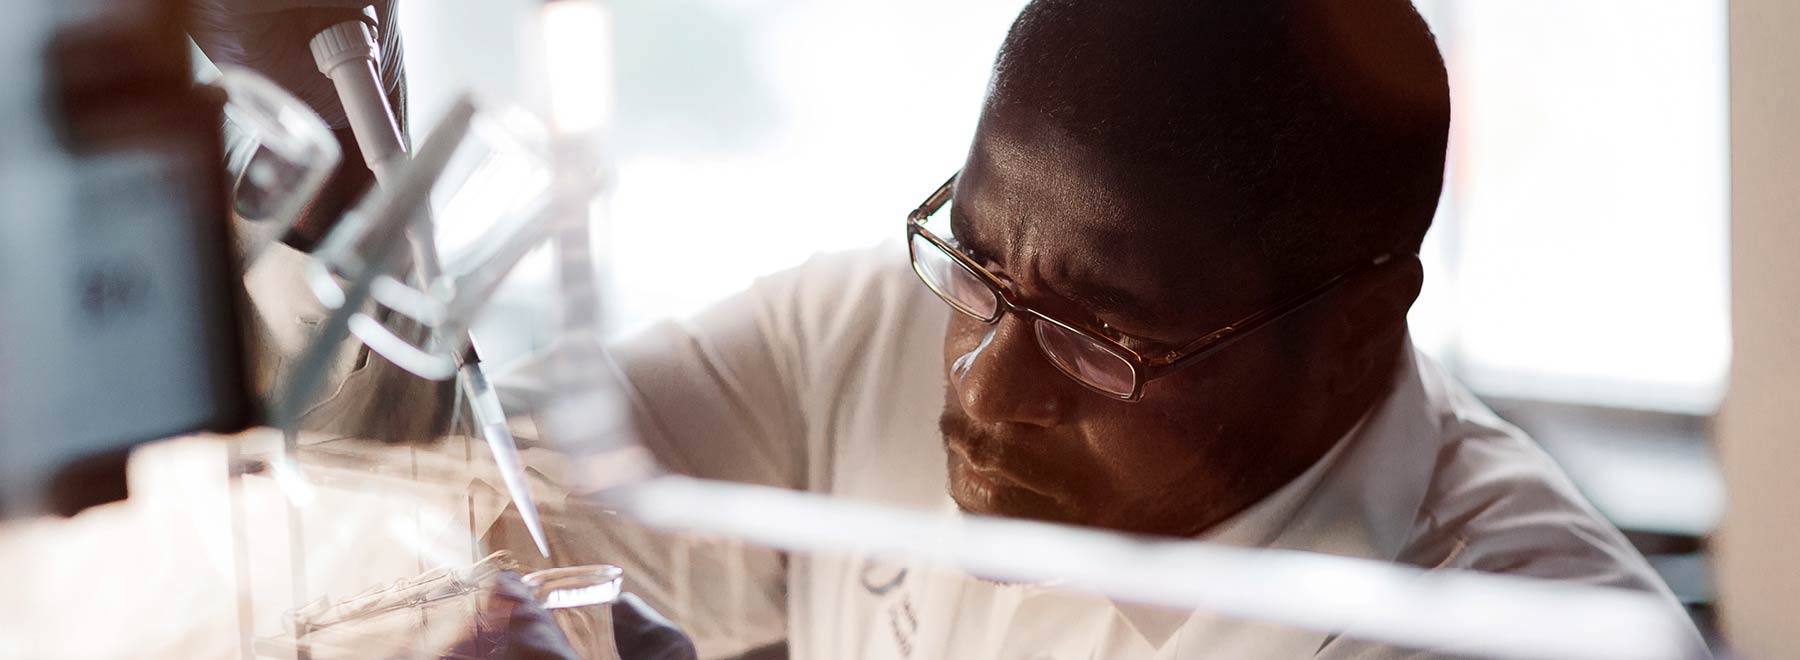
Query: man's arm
{"x": 780, "y": 385}
{"x": 716, "y": 396}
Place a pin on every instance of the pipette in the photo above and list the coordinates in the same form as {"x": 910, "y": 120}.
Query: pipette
{"x": 346, "y": 54}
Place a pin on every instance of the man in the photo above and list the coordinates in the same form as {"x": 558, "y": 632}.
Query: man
{"x": 1166, "y": 294}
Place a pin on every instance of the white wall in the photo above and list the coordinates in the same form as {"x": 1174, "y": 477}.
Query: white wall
{"x": 1759, "y": 577}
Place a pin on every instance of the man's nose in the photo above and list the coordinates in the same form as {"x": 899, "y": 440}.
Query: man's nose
{"x": 1006, "y": 379}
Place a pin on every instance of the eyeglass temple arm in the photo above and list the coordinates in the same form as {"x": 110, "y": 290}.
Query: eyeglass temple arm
{"x": 1218, "y": 339}
{"x": 935, "y": 201}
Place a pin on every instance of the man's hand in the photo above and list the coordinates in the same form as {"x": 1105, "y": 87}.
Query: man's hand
{"x": 643, "y": 634}
{"x": 513, "y": 626}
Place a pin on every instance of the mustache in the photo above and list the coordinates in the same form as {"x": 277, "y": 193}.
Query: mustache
{"x": 960, "y": 432}
{"x": 1018, "y": 456}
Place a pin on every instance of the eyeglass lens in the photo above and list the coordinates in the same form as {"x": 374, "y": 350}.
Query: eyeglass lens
{"x": 1079, "y": 356}
{"x": 953, "y": 281}
{"x": 1073, "y": 353}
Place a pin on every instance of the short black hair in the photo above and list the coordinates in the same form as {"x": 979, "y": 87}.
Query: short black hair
{"x": 1315, "y": 129}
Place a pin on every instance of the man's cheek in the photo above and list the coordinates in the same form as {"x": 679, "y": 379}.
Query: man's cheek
{"x": 962, "y": 340}
{"x": 1143, "y": 441}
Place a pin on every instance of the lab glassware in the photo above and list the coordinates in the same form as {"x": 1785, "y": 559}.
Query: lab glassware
{"x": 487, "y": 202}
{"x": 471, "y": 222}
{"x": 278, "y": 156}
{"x": 581, "y": 599}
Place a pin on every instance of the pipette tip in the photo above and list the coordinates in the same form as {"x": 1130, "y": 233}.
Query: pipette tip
{"x": 536, "y": 527}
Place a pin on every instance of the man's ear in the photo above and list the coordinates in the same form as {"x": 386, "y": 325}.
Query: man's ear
{"x": 1384, "y": 294}
{"x": 1371, "y": 316}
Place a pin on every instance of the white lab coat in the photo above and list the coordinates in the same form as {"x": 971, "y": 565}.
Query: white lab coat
{"x": 828, "y": 378}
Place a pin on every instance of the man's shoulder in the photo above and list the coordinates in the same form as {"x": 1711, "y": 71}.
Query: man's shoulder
{"x": 829, "y": 277}
{"x": 1498, "y": 503}
{"x": 834, "y": 296}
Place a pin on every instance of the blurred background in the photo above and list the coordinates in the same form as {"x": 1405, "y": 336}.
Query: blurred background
{"x": 1577, "y": 273}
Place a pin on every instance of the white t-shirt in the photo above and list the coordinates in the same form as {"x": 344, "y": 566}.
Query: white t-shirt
{"x": 828, "y": 378}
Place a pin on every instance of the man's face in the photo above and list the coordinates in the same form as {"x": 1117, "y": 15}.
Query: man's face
{"x": 1081, "y": 243}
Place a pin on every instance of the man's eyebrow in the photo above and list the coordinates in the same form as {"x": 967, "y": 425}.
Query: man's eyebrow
{"x": 962, "y": 230}
{"x": 1097, "y": 299}
{"x": 1109, "y": 301}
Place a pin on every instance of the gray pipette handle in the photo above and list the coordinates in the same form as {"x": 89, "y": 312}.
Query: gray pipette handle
{"x": 346, "y": 53}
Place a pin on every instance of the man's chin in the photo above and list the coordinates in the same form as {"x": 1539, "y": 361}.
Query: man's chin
{"x": 1000, "y": 581}
{"x": 1017, "y": 513}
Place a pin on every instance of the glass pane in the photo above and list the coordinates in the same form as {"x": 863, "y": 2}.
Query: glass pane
{"x": 954, "y": 282}
{"x": 1085, "y": 359}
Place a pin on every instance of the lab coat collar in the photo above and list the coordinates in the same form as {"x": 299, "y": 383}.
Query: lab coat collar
{"x": 1368, "y": 503}
{"x": 1360, "y": 500}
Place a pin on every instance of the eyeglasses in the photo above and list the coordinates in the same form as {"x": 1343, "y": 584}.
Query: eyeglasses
{"x": 1097, "y": 361}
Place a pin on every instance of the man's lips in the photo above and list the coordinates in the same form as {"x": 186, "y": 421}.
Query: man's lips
{"x": 1000, "y": 472}
{"x": 981, "y": 489}
{"x": 987, "y": 474}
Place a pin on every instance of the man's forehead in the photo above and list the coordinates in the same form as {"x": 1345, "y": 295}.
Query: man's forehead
{"x": 1097, "y": 233}
{"x": 1041, "y": 185}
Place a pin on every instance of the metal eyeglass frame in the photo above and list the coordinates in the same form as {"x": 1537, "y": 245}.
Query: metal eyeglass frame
{"x": 1143, "y": 368}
